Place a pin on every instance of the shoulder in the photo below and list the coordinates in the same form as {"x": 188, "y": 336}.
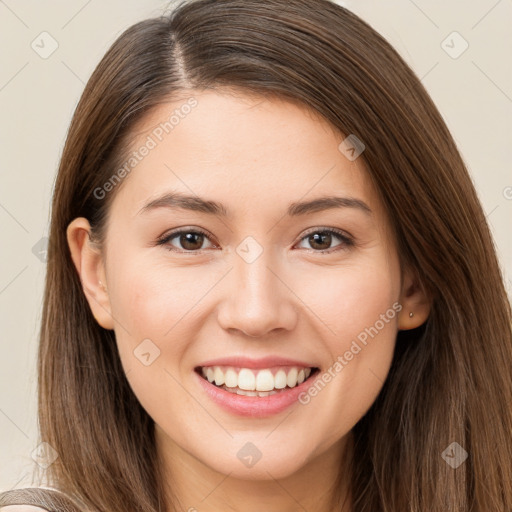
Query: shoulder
{"x": 22, "y": 500}
{"x": 22, "y": 508}
{"x": 35, "y": 499}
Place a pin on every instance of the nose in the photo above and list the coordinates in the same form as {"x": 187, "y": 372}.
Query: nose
{"x": 258, "y": 299}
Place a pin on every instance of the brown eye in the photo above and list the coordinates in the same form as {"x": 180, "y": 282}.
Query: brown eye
{"x": 191, "y": 241}
{"x": 188, "y": 240}
{"x": 321, "y": 240}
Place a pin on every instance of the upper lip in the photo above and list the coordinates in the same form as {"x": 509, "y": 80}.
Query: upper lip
{"x": 264, "y": 362}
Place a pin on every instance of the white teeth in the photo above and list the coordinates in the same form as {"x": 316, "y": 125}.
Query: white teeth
{"x": 219, "y": 376}
{"x": 280, "y": 379}
{"x": 246, "y": 393}
{"x": 238, "y": 391}
{"x": 247, "y": 380}
{"x": 251, "y": 382}
{"x": 264, "y": 380}
{"x": 231, "y": 378}
{"x": 291, "y": 379}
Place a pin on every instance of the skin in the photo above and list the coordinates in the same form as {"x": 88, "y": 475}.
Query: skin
{"x": 255, "y": 155}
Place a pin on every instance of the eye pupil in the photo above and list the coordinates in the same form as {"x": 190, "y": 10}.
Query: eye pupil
{"x": 322, "y": 236}
{"x": 188, "y": 238}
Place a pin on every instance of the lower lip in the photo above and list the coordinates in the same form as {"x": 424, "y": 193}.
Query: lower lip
{"x": 255, "y": 406}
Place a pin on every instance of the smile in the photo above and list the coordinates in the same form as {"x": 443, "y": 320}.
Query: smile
{"x": 252, "y": 382}
{"x": 255, "y": 392}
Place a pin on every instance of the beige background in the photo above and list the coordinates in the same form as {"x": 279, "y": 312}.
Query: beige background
{"x": 38, "y": 96}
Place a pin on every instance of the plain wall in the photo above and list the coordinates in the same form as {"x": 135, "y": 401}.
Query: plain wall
{"x": 38, "y": 96}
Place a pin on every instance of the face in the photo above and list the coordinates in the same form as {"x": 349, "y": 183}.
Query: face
{"x": 253, "y": 282}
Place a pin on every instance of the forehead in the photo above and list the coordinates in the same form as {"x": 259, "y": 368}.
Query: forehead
{"x": 240, "y": 149}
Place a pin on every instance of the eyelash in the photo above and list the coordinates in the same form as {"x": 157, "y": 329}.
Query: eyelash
{"x": 347, "y": 241}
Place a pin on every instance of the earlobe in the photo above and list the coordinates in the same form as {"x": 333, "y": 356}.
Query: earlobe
{"x": 88, "y": 261}
{"x": 415, "y": 303}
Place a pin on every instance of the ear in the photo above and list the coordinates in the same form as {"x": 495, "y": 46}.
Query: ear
{"x": 415, "y": 300}
{"x": 88, "y": 260}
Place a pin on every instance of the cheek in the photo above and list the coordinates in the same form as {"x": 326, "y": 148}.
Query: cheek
{"x": 351, "y": 297}
{"x": 160, "y": 303}
{"x": 153, "y": 306}
{"x": 364, "y": 298}
{"x": 360, "y": 306}
{"x": 153, "y": 298}
{"x": 365, "y": 319}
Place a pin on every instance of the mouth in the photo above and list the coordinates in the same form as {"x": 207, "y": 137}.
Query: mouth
{"x": 256, "y": 382}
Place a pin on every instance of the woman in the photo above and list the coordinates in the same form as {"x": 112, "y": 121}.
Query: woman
{"x": 270, "y": 283}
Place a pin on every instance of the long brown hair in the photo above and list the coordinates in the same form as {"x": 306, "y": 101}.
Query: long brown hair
{"x": 450, "y": 380}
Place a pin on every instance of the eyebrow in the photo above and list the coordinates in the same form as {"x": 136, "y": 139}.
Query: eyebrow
{"x": 198, "y": 204}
